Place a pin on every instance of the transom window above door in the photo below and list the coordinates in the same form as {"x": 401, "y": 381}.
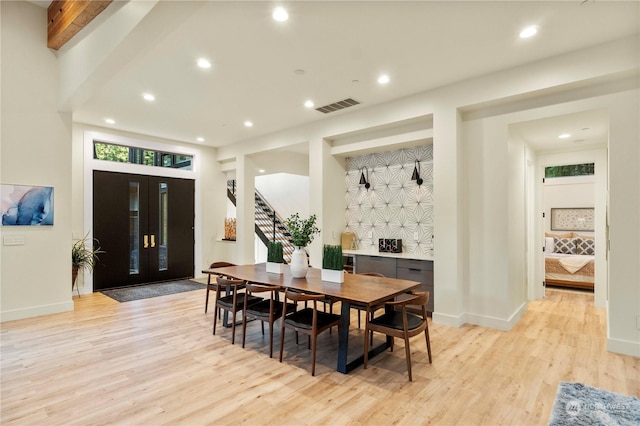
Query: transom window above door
{"x": 128, "y": 154}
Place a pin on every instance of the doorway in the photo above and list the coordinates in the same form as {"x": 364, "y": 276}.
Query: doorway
{"x": 145, "y": 226}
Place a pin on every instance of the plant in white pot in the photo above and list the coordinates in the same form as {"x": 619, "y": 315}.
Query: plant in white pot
{"x": 83, "y": 257}
{"x": 275, "y": 260}
{"x": 302, "y": 232}
{"x": 332, "y": 264}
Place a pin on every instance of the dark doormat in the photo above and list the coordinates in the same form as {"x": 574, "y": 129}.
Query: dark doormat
{"x": 127, "y": 294}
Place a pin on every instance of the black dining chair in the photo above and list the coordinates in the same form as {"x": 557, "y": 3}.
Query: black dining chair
{"x": 233, "y": 302}
{"x": 401, "y": 323}
{"x": 309, "y": 321}
{"x": 212, "y": 286}
{"x": 266, "y": 310}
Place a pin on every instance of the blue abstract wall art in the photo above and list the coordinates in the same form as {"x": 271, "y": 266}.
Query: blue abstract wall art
{"x": 24, "y": 205}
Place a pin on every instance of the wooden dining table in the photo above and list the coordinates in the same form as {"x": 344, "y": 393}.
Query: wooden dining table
{"x": 357, "y": 289}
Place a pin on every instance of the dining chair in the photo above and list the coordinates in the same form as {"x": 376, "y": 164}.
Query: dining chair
{"x": 401, "y": 323}
{"x": 212, "y": 286}
{"x": 266, "y": 310}
{"x": 309, "y": 321}
{"x": 233, "y": 302}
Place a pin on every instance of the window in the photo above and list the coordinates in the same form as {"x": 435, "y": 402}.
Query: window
{"x": 127, "y": 154}
{"x": 584, "y": 169}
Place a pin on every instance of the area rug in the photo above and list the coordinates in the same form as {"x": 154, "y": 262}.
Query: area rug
{"x": 127, "y": 294}
{"x": 579, "y": 404}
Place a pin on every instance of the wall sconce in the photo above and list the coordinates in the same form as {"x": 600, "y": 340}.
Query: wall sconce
{"x": 416, "y": 173}
{"x": 365, "y": 181}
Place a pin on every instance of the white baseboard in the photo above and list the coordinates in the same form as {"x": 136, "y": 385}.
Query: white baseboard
{"x": 624, "y": 347}
{"x": 481, "y": 320}
{"x": 497, "y": 323}
{"x": 450, "y": 320}
{"x": 35, "y": 311}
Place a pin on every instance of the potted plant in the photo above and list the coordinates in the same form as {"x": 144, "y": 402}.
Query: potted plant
{"x": 83, "y": 257}
{"x": 332, "y": 264}
{"x": 302, "y": 232}
{"x": 275, "y": 260}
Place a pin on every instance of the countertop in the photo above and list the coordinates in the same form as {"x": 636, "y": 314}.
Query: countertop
{"x": 403, "y": 255}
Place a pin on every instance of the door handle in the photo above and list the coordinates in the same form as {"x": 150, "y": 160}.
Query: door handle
{"x": 153, "y": 240}
{"x": 145, "y": 240}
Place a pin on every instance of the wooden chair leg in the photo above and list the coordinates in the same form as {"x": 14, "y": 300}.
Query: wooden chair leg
{"x": 244, "y": 327}
{"x": 262, "y": 323}
{"x": 215, "y": 320}
{"x": 270, "y": 339}
{"x": 366, "y": 344}
{"x": 407, "y": 350}
{"x": 233, "y": 327}
{"x": 426, "y": 335}
{"x": 206, "y": 302}
{"x": 281, "y": 341}
{"x": 313, "y": 354}
{"x": 359, "y": 312}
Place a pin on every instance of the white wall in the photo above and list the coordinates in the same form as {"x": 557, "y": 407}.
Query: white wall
{"x": 36, "y": 150}
{"x": 287, "y": 193}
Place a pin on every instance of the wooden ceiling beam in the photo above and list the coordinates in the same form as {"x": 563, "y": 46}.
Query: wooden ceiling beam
{"x": 67, "y": 17}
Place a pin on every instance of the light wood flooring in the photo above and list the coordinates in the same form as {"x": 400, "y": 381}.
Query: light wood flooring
{"x": 155, "y": 362}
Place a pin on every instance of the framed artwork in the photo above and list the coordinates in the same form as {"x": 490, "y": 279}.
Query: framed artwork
{"x": 25, "y": 205}
{"x": 572, "y": 219}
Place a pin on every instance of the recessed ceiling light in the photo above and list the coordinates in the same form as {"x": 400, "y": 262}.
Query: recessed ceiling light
{"x": 564, "y": 136}
{"x": 309, "y": 103}
{"x": 248, "y": 124}
{"x": 110, "y": 121}
{"x": 204, "y": 63}
{"x": 529, "y": 31}
{"x": 261, "y": 170}
{"x": 200, "y": 139}
{"x": 148, "y": 97}
{"x": 280, "y": 14}
{"x": 383, "y": 79}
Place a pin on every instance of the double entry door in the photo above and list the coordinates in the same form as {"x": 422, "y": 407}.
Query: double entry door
{"x": 144, "y": 225}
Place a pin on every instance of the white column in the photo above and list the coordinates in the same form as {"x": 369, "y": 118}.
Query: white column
{"x": 245, "y": 210}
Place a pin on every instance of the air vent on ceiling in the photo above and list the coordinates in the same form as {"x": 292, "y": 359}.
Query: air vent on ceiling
{"x": 336, "y": 106}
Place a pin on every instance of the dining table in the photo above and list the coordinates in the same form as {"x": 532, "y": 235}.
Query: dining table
{"x": 363, "y": 290}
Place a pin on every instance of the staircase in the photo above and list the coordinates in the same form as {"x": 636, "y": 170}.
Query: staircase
{"x": 269, "y": 225}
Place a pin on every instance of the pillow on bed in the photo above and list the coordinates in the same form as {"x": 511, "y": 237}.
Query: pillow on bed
{"x": 564, "y": 245}
{"x": 585, "y": 246}
{"x": 548, "y": 245}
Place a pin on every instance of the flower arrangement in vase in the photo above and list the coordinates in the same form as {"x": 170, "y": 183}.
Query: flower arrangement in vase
{"x": 302, "y": 232}
{"x": 275, "y": 259}
{"x": 332, "y": 264}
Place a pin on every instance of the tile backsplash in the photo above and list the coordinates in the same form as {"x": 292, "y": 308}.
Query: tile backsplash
{"x": 394, "y": 206}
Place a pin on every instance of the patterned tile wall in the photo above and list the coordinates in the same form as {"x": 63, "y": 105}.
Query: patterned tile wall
{"x": 394, "y": 206}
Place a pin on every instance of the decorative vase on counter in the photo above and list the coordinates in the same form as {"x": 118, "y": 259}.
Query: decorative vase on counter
{"x": 299, "y": 264}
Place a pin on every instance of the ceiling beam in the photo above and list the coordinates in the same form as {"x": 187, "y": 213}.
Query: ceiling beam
{"x": 67, "y": 17}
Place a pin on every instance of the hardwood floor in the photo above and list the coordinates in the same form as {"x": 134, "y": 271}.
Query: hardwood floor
{"x": 155, "y": 361}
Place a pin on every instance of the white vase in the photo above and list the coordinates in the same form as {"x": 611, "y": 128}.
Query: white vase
{"x": 299, "y": 263}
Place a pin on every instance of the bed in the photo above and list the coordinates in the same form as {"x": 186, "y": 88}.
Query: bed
{"x": 569, "y": 261}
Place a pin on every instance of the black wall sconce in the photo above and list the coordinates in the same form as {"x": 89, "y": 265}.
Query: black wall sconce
{"x": 416, "y": 173}
{"x": 365, "y": 180}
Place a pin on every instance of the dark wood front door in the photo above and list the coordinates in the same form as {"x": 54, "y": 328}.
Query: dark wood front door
{"x": 145, "y": 226}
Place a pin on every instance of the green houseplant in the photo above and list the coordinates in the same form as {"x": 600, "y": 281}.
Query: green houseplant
{"x": 275, "y": 259}
{"x": 302, "y": 232}
{"x": 332, "y": 264}
{"x": 83, "y": 257}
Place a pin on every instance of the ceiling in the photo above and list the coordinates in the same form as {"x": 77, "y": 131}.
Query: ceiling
{"x": 263, "y": 70}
